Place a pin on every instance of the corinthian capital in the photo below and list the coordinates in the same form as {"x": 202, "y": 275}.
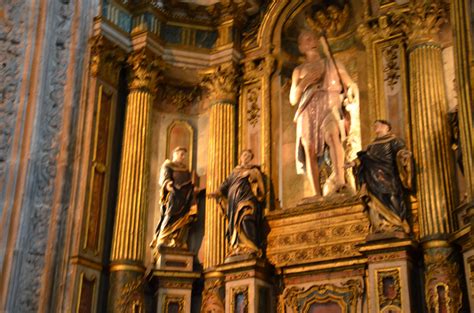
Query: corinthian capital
{"x": 221, "y": 83}
{"x": 424, "y": 20}
{"x": 106, "y": 58}
{"x": 145, "y": 69}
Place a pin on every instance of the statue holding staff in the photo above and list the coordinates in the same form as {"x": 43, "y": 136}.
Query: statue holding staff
{"x": 319, "y": 87}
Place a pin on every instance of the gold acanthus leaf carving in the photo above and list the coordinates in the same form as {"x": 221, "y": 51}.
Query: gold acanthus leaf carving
{"x": 423, "y": 20}
{"x": 106, "y": 58}
{"x": 221, "y": 82}
{"x": 145, "y": 70}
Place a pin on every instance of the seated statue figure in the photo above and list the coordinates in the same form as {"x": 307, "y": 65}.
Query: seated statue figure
{"x": 384, "y": 174}
{"x": 243, "y": 194}
{"x": 177, "y": 202}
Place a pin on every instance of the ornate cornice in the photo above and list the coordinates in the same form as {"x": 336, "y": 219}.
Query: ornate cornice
{"x": 106, "y": 58}
{"x": 145, "y": 70}
{"x": 221, "y": 83}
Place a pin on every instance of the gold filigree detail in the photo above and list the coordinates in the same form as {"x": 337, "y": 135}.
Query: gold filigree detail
{"x": 221, "y": 83}
{"x": 330, "y": 21}
{"x": 145, "y": 70}
{"x": 131, "y": 295}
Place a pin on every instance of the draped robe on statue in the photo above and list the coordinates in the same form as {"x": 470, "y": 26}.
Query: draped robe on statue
{"x": 177, "y": 206}
{"x": 319, "y": 106}
{"x": 384, "y": 173}
{"x": 244, "y": 191}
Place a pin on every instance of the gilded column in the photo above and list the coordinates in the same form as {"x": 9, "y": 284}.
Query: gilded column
{"x": 221, "y": 85}
{"x": 431, "y": 147}
{"x": 460, "y": 21}
{"x": 128, "y": 242}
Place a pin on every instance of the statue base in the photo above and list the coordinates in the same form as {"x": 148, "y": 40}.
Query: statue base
{"x": 390, "y": 272}
{"x": 248, "y": 284}
{"x": 172, "y": 279}
{"x": 174, "y": 259}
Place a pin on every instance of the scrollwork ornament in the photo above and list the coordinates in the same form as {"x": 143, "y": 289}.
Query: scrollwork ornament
{"x": 221, "y": 83}
{"x": 211, "y": 299}
{"x": 145, "y": 70}
{"x": 442, "y": 272}
{"x": 348, "y": 293}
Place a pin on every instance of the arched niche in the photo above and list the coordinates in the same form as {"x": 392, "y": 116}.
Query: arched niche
{"x": 277, "y": 37}
{"x": 180, "y": 134}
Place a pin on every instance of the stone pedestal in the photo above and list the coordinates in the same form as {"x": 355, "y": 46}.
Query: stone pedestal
{"x": 390, "y": 281}
{"x": 172, "y": 278}
{"x": 248, "y": 286}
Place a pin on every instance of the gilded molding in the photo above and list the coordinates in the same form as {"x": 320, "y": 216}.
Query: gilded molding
{"x": 347, "y": 296}
{"x": 221, "y": 83}
{"x": 169, "y": 299}
{"x": 145, "y": 70}
{"x": 234, "y": 292}
{"x": 384, "y": 300}
{"x": 106, "y": 59}
{"x": 131, "y": 296}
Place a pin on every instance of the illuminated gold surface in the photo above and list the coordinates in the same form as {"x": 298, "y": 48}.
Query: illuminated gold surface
{"x": 221, "y": 156}
{"x": 128, "y": 241}
{"x": 460, "y": 21}
{"x": 431, "y": 142}
{"x": 127, "y": 267}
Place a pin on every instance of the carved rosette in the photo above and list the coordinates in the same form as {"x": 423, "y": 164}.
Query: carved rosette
{"x": 105, "y": 59}
{"x": 423, "y": 20}
{"x": 145, "y": 70}
{"x": 442, "y": 288}
{"x": 221, "y": 83}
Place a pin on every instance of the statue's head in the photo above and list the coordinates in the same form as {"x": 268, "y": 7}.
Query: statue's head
{"x": 245, "y": 157}
{"x": 382, "y": 127}
{"x": 307, "y": 41}
{"x": 179, "y": 154}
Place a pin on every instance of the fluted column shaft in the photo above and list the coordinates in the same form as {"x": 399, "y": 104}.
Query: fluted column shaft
{"x": 221, "y": 156}
{"x": 460, "y": 20}
{"x": 128, "y": 243}
{"x": 431, "y": 141}
{"x": 435, "y": 171}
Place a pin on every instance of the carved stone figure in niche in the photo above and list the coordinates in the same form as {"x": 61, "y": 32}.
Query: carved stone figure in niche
{"x": 384, "y": 173}
{"x": 178, "y": 206}
{"x": 243, "y": 194}
{"x": 318, "y": 88}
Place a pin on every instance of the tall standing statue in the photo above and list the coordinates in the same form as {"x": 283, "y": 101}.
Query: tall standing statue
{"x": 177, "y": 202}
{"x": 384, "y": 172}
{"x": 317, "y": 87}
{"x": 243, "y": 194}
